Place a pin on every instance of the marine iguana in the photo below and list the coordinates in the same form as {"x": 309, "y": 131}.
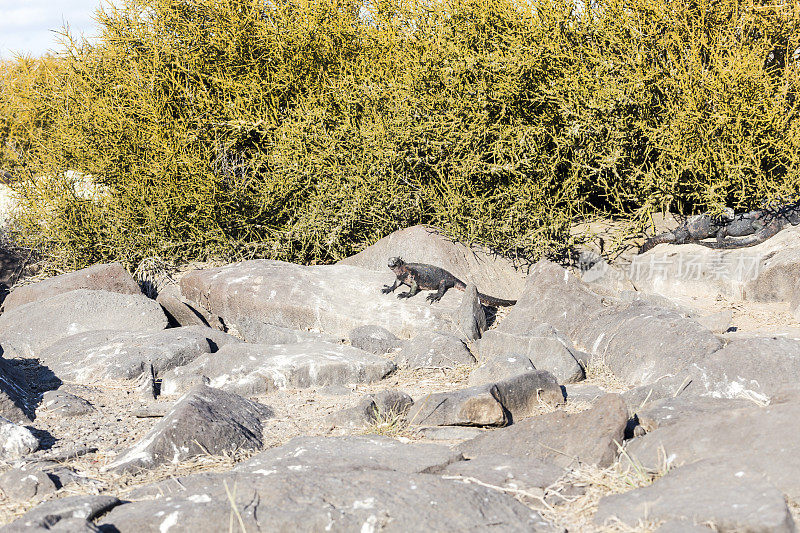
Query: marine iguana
{"x": 731, "y": 230}
{"x": 432, "y": 278}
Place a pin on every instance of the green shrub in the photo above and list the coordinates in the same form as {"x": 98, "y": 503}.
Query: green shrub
{"x": 305, "y": 130}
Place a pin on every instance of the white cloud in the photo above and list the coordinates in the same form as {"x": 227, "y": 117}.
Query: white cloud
{"x": 30, "y": 26}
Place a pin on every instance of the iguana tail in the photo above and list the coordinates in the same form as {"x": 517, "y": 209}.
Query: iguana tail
{"x": 652, "y": 242}
{"x": 491, "y": 301}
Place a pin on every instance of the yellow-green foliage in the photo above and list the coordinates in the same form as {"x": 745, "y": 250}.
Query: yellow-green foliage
{"x": 307, "y": 129}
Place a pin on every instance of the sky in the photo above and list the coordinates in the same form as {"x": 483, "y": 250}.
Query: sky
{"x": 26, "y": 26}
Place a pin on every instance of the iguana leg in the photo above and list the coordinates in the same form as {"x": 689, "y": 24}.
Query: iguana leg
{"x": 443, "y": 286}
{"x": 414, "y": 290}
{"x": 390, "y": 288}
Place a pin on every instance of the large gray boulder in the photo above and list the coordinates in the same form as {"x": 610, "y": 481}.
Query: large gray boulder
{"x": 498, "y": 368}
{"x": 182, "y": 312}
{"x": 491, "y": 273}
{"x": 471, "y": 318}
{"x": 591, "y": 436}
{"x": 475, "y": 406}
{"x": 73, "y": 511}
{"x": 757, "y": 367}
{"x": 251, "y": 369}
{"x": 730, "y": 497}
{"x": 110, "y": 277}
{"x": 65, "y": 404}
{"x": 542, "y": 345}
{"x": 321, "y": 500}
{"x": 16, "y": 399}
{"x": 758, "y": 439}
{"x": 16, "y": 441}
{"x": 332, "y": 299}
{"x": 639, "y": 342}
{"x": 257, "y": 332}
{"x": 767, "y": 272}
{"x": 672, "y": 410}
{"x": 29, "y": 328}
{"x": 554, "y": 296}
{"x": 114, "y": 354}
{"x": 22, "y": 484}
{"x": 204, "y": 421}
{"x": 494, "y": 404}
{"x": 524, "y": 394}
{"x": 375, "y": 339}
{"x": 433, "y": 349}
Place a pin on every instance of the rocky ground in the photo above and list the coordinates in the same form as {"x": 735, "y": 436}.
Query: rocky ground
{"x": 658, "y": 395}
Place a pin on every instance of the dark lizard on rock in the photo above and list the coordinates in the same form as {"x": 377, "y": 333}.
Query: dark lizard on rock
{"x": 729, "y": 229}
{"x": 419, "y": 276}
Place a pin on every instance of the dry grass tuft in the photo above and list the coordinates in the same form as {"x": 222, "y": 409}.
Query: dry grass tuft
{"x": 599, "y": 374}
{"x": 388, "y": 424}
{"x": 152, "y": 274}
{"x": 794, "y": 508}
{"x": 576, "y": 513}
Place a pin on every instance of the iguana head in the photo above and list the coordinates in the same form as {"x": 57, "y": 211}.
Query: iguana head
{"x": 395, "y": 262}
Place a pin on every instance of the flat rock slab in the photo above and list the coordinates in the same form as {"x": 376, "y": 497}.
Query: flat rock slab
{"x": 564, "y": 439}
{"x": 432, "y": 349}
{"x": 732, "y": 499}
{"x": 30, "y": 328}
{"x": 110, "y": 277}
{"x": 48, "y": 514}
{"x": 204, "y": 421}
{"x": 492, "y": 273}
{"x": 350, "y": 453}
{"x": 257, "y": 332}
{"x": 317, "y": 500}
{"x": 757, "y": 368}
{"x": 114, "y": 354}
{"x": 16, "y": 399}
{"x": 251, "y": 369}
{"x": 669, "y": 411}
{"x": 332, "y": 299}
{"x": 448, "y": 433}
{"x": 498, "y": 368}
{"x": 758, "y": 439}
{"x": 508, "y": 471}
